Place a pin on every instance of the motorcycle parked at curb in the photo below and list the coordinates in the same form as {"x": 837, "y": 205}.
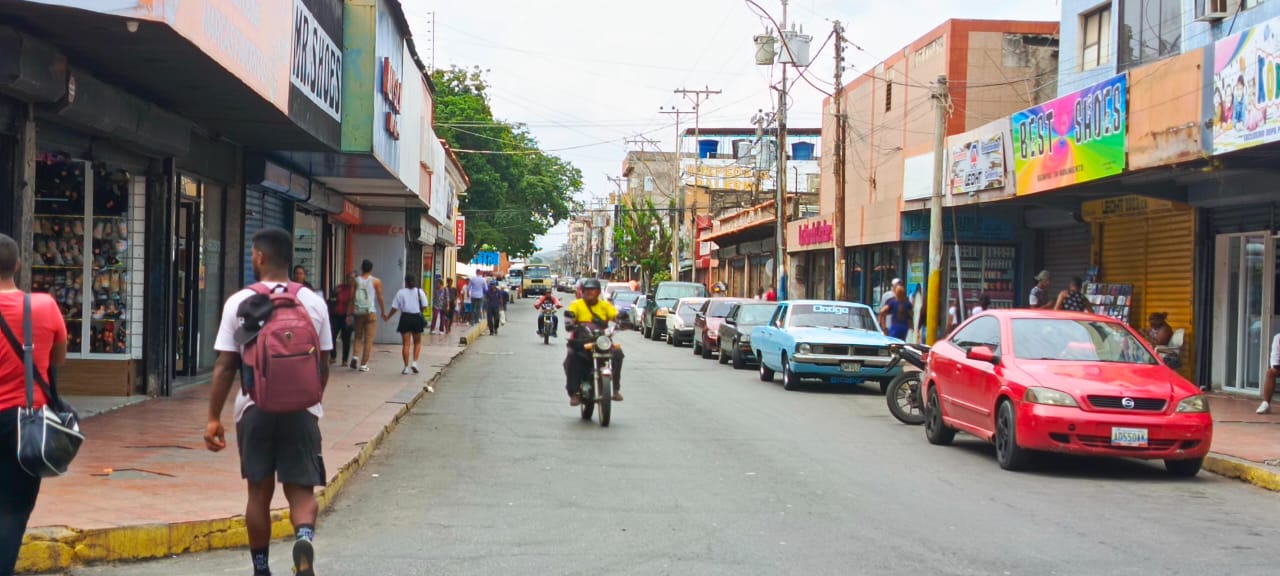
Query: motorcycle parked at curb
{"x": 547, "y": 321}
{"x": 599, "y": 348}
{"x": 903, "y": 393}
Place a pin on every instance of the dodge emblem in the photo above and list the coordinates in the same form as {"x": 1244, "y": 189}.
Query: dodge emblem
{"x": 1127, "y": 403}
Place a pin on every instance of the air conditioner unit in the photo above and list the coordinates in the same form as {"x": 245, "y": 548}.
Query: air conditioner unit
{"x": 1212, "y": 10}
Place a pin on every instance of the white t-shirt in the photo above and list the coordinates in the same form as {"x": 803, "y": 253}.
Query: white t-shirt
{"x": 226, "y": 342}
{"x": 976, "y": 311}
{"x": 477, "y": 286}
{"x": 410, "y": 300}
{"x": 954, "y": 314}
{"x": 1275, "y": 351}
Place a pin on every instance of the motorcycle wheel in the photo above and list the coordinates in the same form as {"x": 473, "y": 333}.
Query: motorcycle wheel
{"x": 902, "y": 405}
{"x": 546, "y": 336}
{"x": 588, "y": 407}
{"x": 606, "y": 398}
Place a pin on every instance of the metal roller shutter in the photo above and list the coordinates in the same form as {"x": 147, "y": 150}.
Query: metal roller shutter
{"x": 1066, "y": 254}
{"x": 1157, "y": 256}
{"x": 262, "y": 209}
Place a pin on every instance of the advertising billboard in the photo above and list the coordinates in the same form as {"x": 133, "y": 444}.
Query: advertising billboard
{"x": 1071, "y": 139}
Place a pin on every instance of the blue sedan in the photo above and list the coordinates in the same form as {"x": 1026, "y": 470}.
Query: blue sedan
{"x": 832, "y": 341}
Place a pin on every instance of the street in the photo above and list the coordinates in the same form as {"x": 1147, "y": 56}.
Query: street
{"x": 708, "y": 470}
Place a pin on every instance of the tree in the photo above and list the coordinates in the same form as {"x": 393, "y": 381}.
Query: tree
{"x": 517, "y": 191}
{"x": 643, "y": 237}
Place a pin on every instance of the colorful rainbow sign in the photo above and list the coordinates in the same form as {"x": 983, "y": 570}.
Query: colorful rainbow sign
{"x": 1071, "y": 139}
{"x": 1246, "y": 88}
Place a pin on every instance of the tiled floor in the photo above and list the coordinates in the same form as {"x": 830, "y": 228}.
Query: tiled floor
{"x": 146, "y": 462}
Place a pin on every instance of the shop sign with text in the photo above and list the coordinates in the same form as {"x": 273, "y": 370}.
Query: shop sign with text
{"x": 317, "y": 62}
{"x": 815, "y": 233}
{"x": 351, "y": 213}
{"x": 379, "y": 230}
{"x": 1246, "y": 88}
{"x": 391, "y": 89}
{"x": 959, "y": 227}
{"x": 1128, "y": 206}
{"x": 1071, "y": 139}
{"x": 978, "y": 158}
{"x": 460, "y": 232}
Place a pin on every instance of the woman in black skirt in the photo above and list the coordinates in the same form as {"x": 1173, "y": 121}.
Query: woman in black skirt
{"x": 410, "y": 302}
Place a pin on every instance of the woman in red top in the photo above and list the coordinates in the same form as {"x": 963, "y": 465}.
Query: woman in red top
{"x": 341, "y": 319}
{"x": 49, "y": 336}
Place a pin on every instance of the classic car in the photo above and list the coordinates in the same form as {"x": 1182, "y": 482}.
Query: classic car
{"x": 828, "y": 340}
{"x": 662, "y": 299}
{"x": 735, "y": 332}
{"x": 706, "y": 325}
{"x": 1066, "y": 382}
{"x": 680, "y": 321}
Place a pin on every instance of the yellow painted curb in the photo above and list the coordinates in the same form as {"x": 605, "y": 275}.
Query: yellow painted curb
{"x": 1258, "y": 475}
{"x": 48, "y": 549}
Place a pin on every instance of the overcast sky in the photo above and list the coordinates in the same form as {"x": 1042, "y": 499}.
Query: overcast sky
{"x": 585, "y": 75}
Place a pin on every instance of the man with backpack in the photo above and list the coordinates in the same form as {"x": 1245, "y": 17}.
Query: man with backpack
{"x": 366, "y": 304}
{"x": 276, "y": 333}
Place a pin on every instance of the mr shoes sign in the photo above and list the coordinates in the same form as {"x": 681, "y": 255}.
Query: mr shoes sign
{"x": 317, "y": 62}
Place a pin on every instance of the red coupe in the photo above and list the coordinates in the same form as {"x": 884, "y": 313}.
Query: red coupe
{"x": 1067, "y": 382}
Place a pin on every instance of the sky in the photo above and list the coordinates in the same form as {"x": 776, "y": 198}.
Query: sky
{"x": 586, "y": 75}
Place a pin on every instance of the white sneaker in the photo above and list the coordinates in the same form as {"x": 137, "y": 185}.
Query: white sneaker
{"x": 414, "y": 367}
{"x": 364, "y": 367}
{"x": 405, "y": 371}
{"x": 1264, "y": 408}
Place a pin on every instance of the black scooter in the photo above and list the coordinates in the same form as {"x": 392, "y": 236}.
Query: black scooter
{"x": 903, "y": 394}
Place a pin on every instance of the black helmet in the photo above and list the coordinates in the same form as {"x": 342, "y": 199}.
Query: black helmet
{"x": 591, "y": 284}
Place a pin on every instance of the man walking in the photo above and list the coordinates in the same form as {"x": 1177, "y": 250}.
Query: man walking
{"x": 1039, "y": 297}
{"x": 368, "y": 304}
{"x": 272, "y": 445}
{"x": 477, "y": 287}
{"x": 494, "y": 299}
{"x": 439, "y": 308}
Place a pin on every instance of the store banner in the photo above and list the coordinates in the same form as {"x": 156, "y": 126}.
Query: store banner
{"x": 978, "y": 158}
{"x": 1071, "y": 139}
{"x": 963, "y": 227}
{"x": 317, "y": 62}
{"x": 1246, "y": 93}
{"x": 460, "y": 232}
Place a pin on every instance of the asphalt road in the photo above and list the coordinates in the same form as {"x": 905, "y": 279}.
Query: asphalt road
{"x": 707, "y": 470}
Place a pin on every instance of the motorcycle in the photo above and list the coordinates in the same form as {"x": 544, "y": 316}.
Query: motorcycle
{"x": 548, "y": 319}
{"x": 599, "y": 389}
{"x": 903, "y": 393}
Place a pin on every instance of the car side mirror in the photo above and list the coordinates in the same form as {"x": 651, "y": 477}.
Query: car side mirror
{"x": 983, "y": 354}
{"x": 729, "y": 321}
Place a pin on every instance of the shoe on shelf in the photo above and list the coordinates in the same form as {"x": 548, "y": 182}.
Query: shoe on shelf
{"x": 575, "y": 400}
{"x": 304, "y": 556}
{"x": 405, "y": 371}
{"x": 414, "y": 367}
{"x": 1264, "y": 408}
{"x": 364, "y": 367}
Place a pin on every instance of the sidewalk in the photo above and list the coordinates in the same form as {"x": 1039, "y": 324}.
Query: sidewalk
{"x": 1245, "y": 445}
{"x": 144, "y": 486}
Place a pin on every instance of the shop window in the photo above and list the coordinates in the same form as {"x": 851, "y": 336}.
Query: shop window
{"x": 802, "y": 151}
{"x": 1149, "y": 30}
{"x": 82, "y": 240}
{"x": 1096, "y": 50}
{"x": 888, "y": 92}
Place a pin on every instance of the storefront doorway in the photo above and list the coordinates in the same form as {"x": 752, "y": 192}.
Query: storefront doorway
{"x": 1246, "y": 308}
{"x": 186, "y": 267}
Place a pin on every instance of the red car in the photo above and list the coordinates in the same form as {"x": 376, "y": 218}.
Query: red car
{"x": 1067, "y": 382}
{"x": 706, "y": 325}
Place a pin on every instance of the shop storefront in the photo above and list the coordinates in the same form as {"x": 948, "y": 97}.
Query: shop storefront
{"x": 383, "y": 240}
{"x": 811, "y": 245}
{"x": 745, "y": 241}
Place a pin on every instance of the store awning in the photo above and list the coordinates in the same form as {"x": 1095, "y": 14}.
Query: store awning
{"x": 758, "y": 230}
{"x": 465, "y": 270}
{"x": 361, "y": 177}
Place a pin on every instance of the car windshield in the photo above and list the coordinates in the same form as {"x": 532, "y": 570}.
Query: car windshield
{"x": 625, "y": 297}
{"x": 687, "y": 312}
{"x": 678, "y": 291}
{"x": 831, "y": 316}
{"x": 756, "y": 314}
{"x": 1077, "y": 341}
{"x": 541, "y": 273}
{"x": 719, "y": 309}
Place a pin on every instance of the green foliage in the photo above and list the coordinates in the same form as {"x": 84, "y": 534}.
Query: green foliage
{"x": 643, "y": 237}
{"x": 516, "y": 194}
{"x": 535, "y": 260}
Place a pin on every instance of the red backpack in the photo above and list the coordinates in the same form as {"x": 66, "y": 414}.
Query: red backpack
{"x": 282, "y": 365}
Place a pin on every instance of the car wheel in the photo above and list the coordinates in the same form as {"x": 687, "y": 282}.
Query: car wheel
{"x": 722, "y": 357}
{"x": 738, "y": 362}
{"x": 789, "y": 380}
{"x": 1009, "y": 455}
{"x": 671, "y": 341}
{"x": 1183, "y": 468}
{"x": 697, "y": 348}
{"x": 706, "y": 351}
{"x": 766, "y": 375}
{"x": 935, "y": 430}
{"x": 644, "y": 331}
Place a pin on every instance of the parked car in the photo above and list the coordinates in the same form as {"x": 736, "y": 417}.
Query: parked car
{"x": 706, "y": 329}
{"x": 625, "y": 302}
{"x": 680, "y": 321}
{"x": 735, "y": 332}
{"x": 566, "y": 284}
{"x": 637, "y": 313}
{"x": 1037, "y": 380}
{"x": 662, "y": 299}
{"x": 832, "y": 341}
{"x": 611, "y": 288}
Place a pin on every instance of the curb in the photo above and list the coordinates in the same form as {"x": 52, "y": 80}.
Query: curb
{"x": 1250, "y": 472}
{"x": 58, "y": 548}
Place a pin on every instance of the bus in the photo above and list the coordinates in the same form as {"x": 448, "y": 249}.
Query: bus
{"x": 537, "y": 280}
{"x": 515, "y": 278}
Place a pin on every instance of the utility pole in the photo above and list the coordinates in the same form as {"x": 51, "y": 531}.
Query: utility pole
{"x": 838, "y": 225}
{"x": 696, "y": 96}
{"x": 780, "y": 199}
{"x": 761, "y": 119}
{"x": 934, "y": 306}
{"x": 676, "y": 186}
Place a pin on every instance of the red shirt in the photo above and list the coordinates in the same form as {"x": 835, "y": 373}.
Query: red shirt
{"x": 345, "y": 294}
{"x": 47, "y": 329}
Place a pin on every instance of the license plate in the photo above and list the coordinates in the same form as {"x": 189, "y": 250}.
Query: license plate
{"x": 850, "y": 366}
{"x": 1135, "y": 437}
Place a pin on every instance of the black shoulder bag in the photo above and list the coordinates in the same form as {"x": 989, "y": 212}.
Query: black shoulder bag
{"x": 48, "y": 437}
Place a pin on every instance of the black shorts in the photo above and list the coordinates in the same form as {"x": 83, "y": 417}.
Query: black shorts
{"x": 287, "y": 446}
{"x": 411, "y": 323}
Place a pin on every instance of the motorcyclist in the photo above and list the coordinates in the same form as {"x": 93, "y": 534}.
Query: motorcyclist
{"x": 590, "y": 309}
{"x": 551, "y": 299}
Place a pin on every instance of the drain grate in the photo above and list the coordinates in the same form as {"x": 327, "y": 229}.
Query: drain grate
{"x": 131, "y": 474}
{"x": 159, "y": 447}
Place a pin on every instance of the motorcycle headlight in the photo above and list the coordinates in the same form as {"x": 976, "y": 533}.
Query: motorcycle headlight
{"x": 604, "y": 343}
{"x": 1197, "y": 404}
{"x": 1048, "y": 397}
{"x": 804, "y": 349}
